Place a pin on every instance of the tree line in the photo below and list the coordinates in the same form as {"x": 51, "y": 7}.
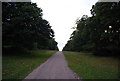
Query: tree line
{"x": 99, "y": 33}
{"x": 24, "y": 28}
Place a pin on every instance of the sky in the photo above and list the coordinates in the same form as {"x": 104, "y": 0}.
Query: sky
{"x": 62, "y": 14}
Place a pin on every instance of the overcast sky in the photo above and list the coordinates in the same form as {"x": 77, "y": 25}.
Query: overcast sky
{"x": 62, "y": 15}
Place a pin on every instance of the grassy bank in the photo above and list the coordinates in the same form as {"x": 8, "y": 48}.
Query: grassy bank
{"x": 92, "y": 67}
{"x": 18, "y": 67}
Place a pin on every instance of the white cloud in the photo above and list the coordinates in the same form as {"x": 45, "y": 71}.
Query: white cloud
{"x": 62, "y": 15}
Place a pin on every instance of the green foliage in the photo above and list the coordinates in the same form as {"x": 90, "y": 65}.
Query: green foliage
{"x": 53, "y": 44}
{"x": 98, "y": 33}
{"x": 24, "y": 27}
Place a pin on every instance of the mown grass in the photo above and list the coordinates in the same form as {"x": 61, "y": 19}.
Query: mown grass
{"x": 18, "y": 67}
{"x": 88, "y": 66}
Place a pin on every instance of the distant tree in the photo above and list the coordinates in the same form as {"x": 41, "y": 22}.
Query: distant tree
{"x": 53, "y": 44}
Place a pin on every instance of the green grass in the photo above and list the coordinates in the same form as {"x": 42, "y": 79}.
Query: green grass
{"x": 18, "y": 67}
{"x": 92, "y": 67}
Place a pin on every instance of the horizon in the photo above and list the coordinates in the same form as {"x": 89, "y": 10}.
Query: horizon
{"x": 62, "y": 16}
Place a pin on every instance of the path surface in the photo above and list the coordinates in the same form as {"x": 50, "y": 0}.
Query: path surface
{"x": 54, "y": 68}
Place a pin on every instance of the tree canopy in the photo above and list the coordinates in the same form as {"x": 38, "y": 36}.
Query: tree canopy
{"x": 98, "y": 33}
{"x": 23, "y": 26}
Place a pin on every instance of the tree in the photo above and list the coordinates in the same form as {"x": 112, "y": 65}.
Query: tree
{"x": 108, "y": 27}
{"x": 53, "y": 44}
{"x": 99, "y": 33}
{"x": 24, "y": 27}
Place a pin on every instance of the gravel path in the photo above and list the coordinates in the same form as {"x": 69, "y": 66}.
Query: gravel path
{"x": 54, "y": 68}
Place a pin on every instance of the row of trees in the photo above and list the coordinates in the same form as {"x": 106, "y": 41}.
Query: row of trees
{"x": 98, "y": 33}
{"x": 24, "y": 28}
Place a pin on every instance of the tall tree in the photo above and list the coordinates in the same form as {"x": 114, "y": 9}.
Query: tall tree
{"x": 24, "y": 27}
{"x": 99, "y": 33}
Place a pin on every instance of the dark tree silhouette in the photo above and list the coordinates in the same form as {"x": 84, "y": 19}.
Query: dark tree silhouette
{"x": 24, "y": 27}
{"x": 99, "y": 33}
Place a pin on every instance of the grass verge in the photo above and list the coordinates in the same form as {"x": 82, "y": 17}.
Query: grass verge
{"x": 92, "y": 67}
{"x": 18, "y": 67}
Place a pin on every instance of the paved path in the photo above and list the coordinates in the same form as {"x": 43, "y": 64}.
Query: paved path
{"x": 54, "y": 68}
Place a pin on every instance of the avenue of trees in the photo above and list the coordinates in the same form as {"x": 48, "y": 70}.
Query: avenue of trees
{"x": 99, "y": 33}
{"x": 24, "y": 28}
